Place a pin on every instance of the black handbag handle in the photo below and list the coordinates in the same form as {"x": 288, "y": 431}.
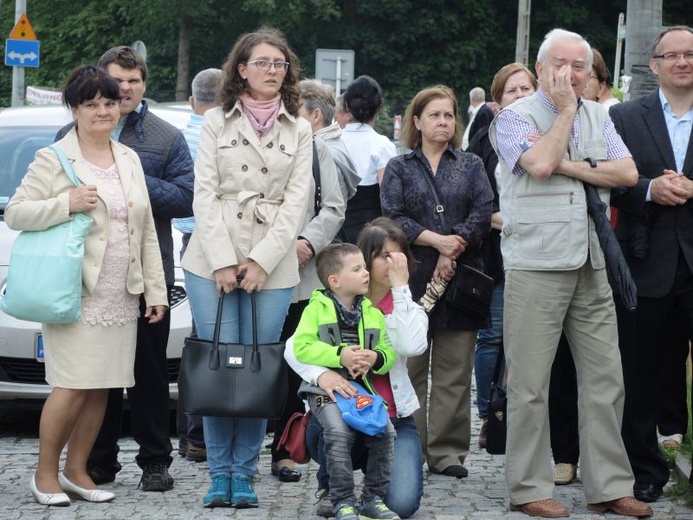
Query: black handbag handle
{"x": 255, "y": 360}
{"x": 439, "y": 209}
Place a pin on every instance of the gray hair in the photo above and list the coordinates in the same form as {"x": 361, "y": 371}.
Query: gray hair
{"x": 205, "y": 86}
{"x": 477, "y": 95}
{"x": 318, "y": 95}
{"x": 556, "y": 35}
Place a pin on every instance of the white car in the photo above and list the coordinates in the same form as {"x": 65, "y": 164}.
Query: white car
{"x": 23, "y": 131}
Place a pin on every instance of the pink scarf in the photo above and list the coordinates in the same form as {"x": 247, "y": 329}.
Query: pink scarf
{"x": 262, "y": 114}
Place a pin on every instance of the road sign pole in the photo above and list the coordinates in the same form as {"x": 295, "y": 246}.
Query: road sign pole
{"x": 18, "y": 72}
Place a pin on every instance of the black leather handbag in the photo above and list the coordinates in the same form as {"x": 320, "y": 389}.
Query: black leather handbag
{"x": 233, "y": 380}
{"x": 470, "y": 290}
{"x": 497, "y": 426}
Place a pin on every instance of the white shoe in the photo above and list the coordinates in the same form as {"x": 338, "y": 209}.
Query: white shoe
{"x": 48, "y": 499}
{"x": 671, "y": 441}
{"x": 564, "y": 473}
{"x": 90, "y": 495}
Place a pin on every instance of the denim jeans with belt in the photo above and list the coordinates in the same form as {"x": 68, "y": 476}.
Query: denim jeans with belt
{"x": 339, "y": 440}
{"x": 233, "y": 444}
{"x": 404, "y": 493}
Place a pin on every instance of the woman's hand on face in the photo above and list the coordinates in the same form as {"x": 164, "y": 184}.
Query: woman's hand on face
{"x": 398, "y": 269}
{"x": 156, "y": 313}
{"x": 445, "y": 269}
{"x": 254, "y": 276}
{"x": 332, "y": 382}
{"x": 226, "y": 279}
{"x": 83, "y": 198}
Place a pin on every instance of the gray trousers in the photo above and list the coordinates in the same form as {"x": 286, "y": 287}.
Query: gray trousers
{"x": 339, "y": 439}
{"x": 538, "y": 305}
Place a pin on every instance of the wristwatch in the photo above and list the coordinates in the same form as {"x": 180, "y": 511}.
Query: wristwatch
{"x": 593, "y": 162}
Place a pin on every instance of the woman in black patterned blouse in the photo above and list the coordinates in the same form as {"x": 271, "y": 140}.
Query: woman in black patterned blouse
{"x": 431, "y": 128}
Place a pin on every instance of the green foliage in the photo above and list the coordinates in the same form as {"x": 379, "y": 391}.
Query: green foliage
{"x": 405, "y": 45}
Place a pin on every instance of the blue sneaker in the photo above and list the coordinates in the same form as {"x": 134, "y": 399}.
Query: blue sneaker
{"x": 242, "y": 494}
{"x": 345, "y": 511}
{"x": 376, "y": 509}
{"x": 219, "y": 494}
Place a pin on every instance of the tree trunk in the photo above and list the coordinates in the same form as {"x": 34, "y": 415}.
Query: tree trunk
{"x": 183, "y": 77}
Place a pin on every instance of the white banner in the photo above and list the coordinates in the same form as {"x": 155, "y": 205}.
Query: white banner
{"x": 40, "y": 96}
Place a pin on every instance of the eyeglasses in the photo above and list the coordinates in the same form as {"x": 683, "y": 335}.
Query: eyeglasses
{"x": 674, "y": 56}
{"x": 265, "y": 66}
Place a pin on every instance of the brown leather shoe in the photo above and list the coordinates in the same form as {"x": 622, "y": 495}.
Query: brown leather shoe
{"x": 547, "y": 508}
{"x": 624, "y": 506}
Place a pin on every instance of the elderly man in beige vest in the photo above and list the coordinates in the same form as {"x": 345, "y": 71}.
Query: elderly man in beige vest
{"x": 549, "y": 144}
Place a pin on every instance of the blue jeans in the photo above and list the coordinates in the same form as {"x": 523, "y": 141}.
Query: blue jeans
{"x": 233, "y": 444}
{"x": 488, "y": 342}
{"x": 404, "y": 493}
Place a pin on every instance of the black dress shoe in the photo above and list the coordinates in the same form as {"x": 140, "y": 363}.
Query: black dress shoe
{"x": 647, "y": 492}
{"x": 457, "y": 471}
{"x": 285, "y": 473}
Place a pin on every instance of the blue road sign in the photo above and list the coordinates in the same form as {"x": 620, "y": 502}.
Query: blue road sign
{"x": 22, "y": 53}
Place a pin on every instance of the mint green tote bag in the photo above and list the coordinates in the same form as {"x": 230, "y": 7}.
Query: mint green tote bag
{"x": 44, "y": 280}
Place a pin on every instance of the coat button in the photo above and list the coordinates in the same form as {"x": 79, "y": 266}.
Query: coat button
{"x": 130, "y": 204}
{"x": 262, "y": 195}
{"x": 234, "y": 142}
{"x": 270, "y": 145}
{"x": 244, "y": 167}
{"x": 239, "y": 214}
{"x": 132, "y": 260}
{"x": 264, "y": 170}
{"x": 258, "y": 221}
{"x": 245, "y": 141}
{"x": 281, "y": 147}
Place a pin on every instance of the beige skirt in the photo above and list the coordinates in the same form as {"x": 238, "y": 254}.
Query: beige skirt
{"x": 86, "y": 356}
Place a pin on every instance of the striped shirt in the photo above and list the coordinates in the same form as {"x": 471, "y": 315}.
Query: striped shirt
{"x": 192, "y": 137}
{"x": 512, "y": 133}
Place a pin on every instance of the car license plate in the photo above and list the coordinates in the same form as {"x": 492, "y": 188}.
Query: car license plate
{"x": 39, "y": 348}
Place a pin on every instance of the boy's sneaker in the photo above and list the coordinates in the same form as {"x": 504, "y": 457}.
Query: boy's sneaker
{"x": 219, "y": 494}
{"x": 345, "y": 511}
{"x": 376, "y": 509}
{"x": 324, "y": 504}
{"x": 242, "y": 494}
{"x": 156, "y": 477}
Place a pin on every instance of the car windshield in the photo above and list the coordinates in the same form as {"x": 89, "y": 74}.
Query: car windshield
{"x": 18, "y": 147}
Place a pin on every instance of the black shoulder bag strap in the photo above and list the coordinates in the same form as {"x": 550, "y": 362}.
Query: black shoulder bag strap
{"x": 499, "y": 363}
{"x": 316, "y": 177}
{"x": 439, "y": 209}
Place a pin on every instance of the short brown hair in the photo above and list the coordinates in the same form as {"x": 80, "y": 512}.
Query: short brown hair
{"x": 331, "y": 260}
{"x": 124, "y": 57}
{"x": 601, "y": 70}
{"x": 233, "y": 84}
{"x": 410, "y": 135}
{"x": 658, "y": 39}
{"x": 501, "y": 78}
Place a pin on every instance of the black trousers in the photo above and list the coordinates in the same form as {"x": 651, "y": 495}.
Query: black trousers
{"x": 563, "y": 406}
{"x": 148, "y": 400}
{"x": 672, "y": 414}
{"x": 293, "y": 402}
{"x": 643, "y": 345}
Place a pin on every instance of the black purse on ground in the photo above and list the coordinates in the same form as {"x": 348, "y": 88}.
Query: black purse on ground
{"x": 233, "y": 380}
{"x": 470, "y": 290}
{"x": 497, "y": 426}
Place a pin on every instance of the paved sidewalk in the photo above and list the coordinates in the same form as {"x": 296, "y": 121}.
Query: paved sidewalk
{"x": 480, "y": 496}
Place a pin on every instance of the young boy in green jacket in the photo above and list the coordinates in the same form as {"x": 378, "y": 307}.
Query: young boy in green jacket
{"x": 341, "y": 330}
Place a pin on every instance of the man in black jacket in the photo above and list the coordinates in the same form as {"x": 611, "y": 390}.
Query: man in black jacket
{"x": 168, "y": 170}
{"x": 655, "y": 229}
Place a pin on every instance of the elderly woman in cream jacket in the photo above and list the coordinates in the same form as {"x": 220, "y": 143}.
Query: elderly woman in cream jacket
{"x": 122, "y": 262}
